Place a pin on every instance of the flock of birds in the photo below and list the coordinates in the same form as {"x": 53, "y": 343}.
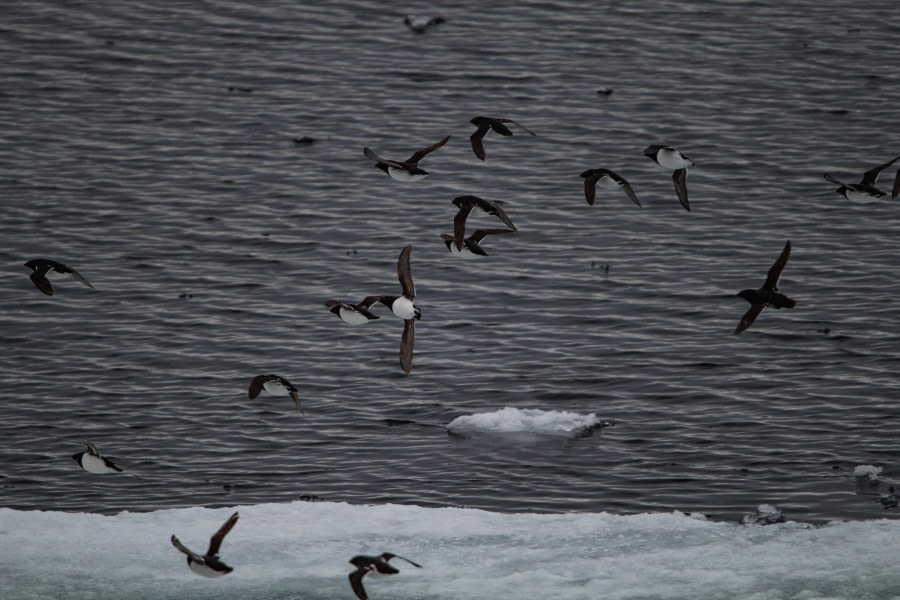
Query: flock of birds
{"x": 458, "y": 243}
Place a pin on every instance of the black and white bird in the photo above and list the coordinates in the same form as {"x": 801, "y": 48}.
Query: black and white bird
{"x": 768, "y": 294}
{"x": 376, "y": 565}
{"x": 42, "y": 269}
{"x": 422, "y": 23}
{"x": 475, "y": 207}
{"x": 93, "y": 462}
{"x": 275, "y": 385}
{"x": 209, "y": 565}
{"x": 404, "y": 307}
{"x": 471, "y": 247}
{"x": 865, "y": 191}
{"x": 405, "y": 170}
{"x": 608, "y": 180}
{"x": 490, "y": 125}
{"x": 355, "y": 314}
{"x": 671, "y": 158}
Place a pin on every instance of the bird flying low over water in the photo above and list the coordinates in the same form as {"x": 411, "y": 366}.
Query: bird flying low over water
{"x": 608, "y": 180}
{"x": 354, "y": 314}
{"x": 405, "y": 170}
{"x": 420, "y": 24}
{"x": 376, "y": 565}
{"x": 475, "y": 206}
{"x": 487, "y": 125}
{"x": 671, "y": 158}
{"x": 275, "y": 385}
{"x": 471, "y": 245}
{"x": 209, "y": 565}
{"x": 94, "y": 462}
{"x": 404, "y": 307}
{"x": 768, "y": 294}
{"x": 865, "y": 191}
{"x": 42, "y": 269}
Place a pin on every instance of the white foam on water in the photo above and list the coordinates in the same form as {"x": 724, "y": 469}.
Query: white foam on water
{"x": 530, "y": 421}
{"x": 300, "y": 550}
{"x": 869, "y": 472}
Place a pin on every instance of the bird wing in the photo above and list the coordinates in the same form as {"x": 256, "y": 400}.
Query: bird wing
{"x": 184, "y": 549}
{"x": 415, "y": 158}
{"x": 92, "y": 449}
{"x": 749, "y": 317}
{"x": 630, "y": 192}
{"x": 404, "y": 273}
{"x": 256, "y": 385}
{"x": 216, "y": 540}
{"x": 41, "y": 282}
{"x": 296, "y": 398}
{"x": 896, "y": 189}
{"x": 517, "y": 125}
{"x": 368, "y": 301}
{"x": 481, "y": 233}
{"x": 680, "y": 179}
{"x": 496, "y": 209}
{"x": 459, "y": 223}
{"x": 406, "y": 345}
{"x": 477, "y": 140}
{"x": 110, "y": 464}
{"x": 590, "y": 187}
{"x": 415, "y": 564}
{"x": 871, "y": 176}
{"x": 834, "y": 181}
{"x": 775, "y": 272}
{"x": 378, "y": 159}
{"x": 356, "y": 585}
{"x": 79, "y": 277}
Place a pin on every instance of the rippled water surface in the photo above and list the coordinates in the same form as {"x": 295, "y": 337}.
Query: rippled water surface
{"x": 152, "y": 147}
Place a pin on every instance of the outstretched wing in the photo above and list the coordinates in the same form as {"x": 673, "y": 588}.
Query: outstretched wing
{"x": 404, "y": 273}
{"x": 834, "y": 181}
{"x": 368, "y": 301}
{"x": 749, "y": 317}
{"x": 871, "y": 176}
{"x": 590, "y": 187}
{"x": 356, "y": 585}
{"x": 459, "y": 223}
{"x": 378, "y": 159}
{"x": 477, "y": 140}
{"x": 256, "y": 385}
{"x": 184, "y": 550}
{"x": 392, "y": 556}
{"x": 517, "y": 125}
{"x": 680, "y": 179}
{"x": 41, "y": 282}
{"x": 896, "y": 190}
{"x": 406, "y": 345}
{"x": 79, "y": 277}
{"x": 481, "y": 233}
{"x": 216, "y": 540}
{"x": 415, "y": 158}
{"x": 775, "y": 272}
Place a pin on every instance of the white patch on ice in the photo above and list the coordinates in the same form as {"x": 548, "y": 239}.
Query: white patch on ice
{"x": 870, "y": 471}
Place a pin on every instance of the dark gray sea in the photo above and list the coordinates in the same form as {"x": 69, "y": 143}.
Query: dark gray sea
{"x": 158, "y": 148}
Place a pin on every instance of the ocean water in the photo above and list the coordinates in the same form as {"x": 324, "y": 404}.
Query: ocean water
{"x": 157, "y": 148}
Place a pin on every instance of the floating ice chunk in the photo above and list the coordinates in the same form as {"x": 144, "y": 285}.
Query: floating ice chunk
{"x": 766, "y": 514}
{"x": 531, "y": 421}
{"x": 869, "y": 471}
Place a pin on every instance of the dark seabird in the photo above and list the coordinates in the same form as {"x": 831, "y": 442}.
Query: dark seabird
{"x": 42, "y": 269}
{"x": 404, "y": 307}
{"x": 475, "y": 206}
{"x": 608, "y": 180}
{"x": 355, "y": 314}
{"x": 275, "y": 385}
{"x": 407, "y": 170}
{"x": 94, "y": 462}
{"x": 768, "y": 294}
{"x": 420, "y": 24}
{"x": 377, "y": 565}
{"x": 865, "y": 191}
{"x": 671, "y": 158}
{"x": 209, "y": 565}
{"x": 487, "y": 125}
{"x": 472, "y": 244}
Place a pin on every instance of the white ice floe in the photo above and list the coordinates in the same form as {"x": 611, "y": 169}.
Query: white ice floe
{"x": 867, "y": 471}
{"x": 528, "y": 421}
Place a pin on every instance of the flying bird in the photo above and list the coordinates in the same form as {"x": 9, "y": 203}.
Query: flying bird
{"x": 42, "y": 269}
{"x": 209, "y": 565}
{"x": 671, "y": 158}
{"x": 377, "y": 565}
{"x": 406, "y": 170}
{"x": 491, "y": 125}
{"x": 475, "y": 206}
{"x": 471, "y": 245}
{"x": 404, "y": 307}
{"x": 768, "y": 294}
{"x": 275, "y": 385}
{"x": 94, "y": 462}
{"x": 420, "y": 24}
{"x": 354, "y": 314}
{"x": 608, "y": 180}
{"x": 865, "y": 191}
